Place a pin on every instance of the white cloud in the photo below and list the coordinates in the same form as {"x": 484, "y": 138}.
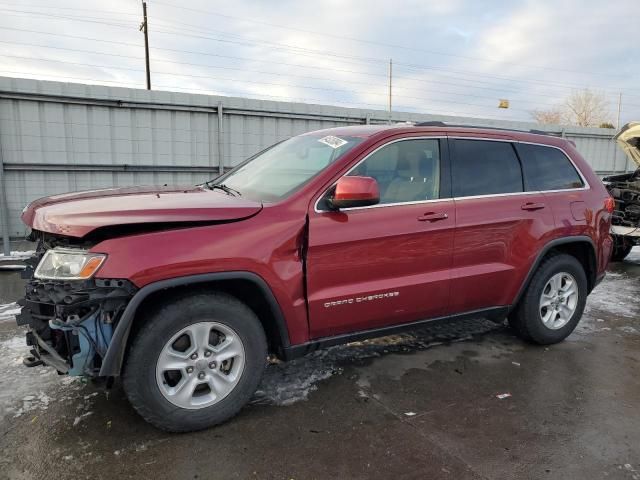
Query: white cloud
{"x": 531, "y": 52}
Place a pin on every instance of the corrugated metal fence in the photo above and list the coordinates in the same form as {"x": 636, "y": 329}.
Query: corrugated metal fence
{"x": 59, "y": 137}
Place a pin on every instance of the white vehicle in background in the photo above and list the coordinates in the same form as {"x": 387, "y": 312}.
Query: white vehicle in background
{"x": 625, "y": 189}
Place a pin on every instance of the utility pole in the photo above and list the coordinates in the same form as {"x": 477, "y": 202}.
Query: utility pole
{"x": 619, "y": 110}
{"x": 390, "y": 81}
{"x": 144, "y": 27}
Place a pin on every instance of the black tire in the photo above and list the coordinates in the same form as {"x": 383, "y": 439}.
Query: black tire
{"x": 621, "y": 248}
{"x": 525, "y": 319}
{"x": 139, "y": 377}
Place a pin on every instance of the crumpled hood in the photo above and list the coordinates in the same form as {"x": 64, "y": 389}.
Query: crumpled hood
{"x": 629, "y": 140}
{"x": 79, "y": 213}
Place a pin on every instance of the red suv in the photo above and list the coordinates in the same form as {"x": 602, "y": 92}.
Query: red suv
{"x": 322, "y": 239}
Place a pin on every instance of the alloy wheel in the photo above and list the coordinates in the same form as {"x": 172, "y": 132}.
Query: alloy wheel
{"x": 558, "y": 301}
{"x": 200, "y": 365}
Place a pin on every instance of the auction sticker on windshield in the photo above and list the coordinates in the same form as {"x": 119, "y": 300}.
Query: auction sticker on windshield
{"x": 333, "y": 142}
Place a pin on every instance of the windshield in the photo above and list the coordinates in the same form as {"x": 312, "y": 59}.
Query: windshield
{"x": 285, "y": 167}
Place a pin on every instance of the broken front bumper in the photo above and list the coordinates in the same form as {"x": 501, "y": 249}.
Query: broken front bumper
{"x": 70, "y": 322}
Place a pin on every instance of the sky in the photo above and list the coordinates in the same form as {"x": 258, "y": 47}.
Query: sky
{"x": 457, "y": 57}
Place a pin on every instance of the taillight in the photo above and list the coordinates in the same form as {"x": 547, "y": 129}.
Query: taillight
{"x": 610, "y": 204}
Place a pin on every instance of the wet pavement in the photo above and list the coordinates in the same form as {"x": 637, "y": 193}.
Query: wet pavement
{"x": 457, "y": 401}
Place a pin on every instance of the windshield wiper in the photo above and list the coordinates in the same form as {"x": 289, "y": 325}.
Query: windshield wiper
{"x": 224, "y": 188}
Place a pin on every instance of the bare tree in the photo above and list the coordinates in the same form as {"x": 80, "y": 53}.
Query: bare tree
{"x": 552, "y": 116}
{"x": 584, "y": 108}
{"x": 587, "y": 109}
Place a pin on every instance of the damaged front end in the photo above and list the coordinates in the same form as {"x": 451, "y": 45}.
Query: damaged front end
{"x": 70, "y": 315}
{"x": 625, "y": 189}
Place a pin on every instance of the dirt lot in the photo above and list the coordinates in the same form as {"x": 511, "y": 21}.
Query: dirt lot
{"x": 423, "y": 405}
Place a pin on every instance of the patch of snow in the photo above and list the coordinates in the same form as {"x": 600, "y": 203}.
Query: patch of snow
{"x": 79, "y": 418}
{"x": 617, "y": 295}
{"x": 285, "y": 383}
{"x": 627, "y": 329}
{"x": 634, "y": 256}
{"x": 9, "y": 311}
{"x": 502, "y": 396}
{"x": 17, "y": 255}
{"x": 26, "y": 390}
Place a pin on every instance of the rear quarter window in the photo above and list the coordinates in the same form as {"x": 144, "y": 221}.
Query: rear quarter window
{"x": 547, "y": 168}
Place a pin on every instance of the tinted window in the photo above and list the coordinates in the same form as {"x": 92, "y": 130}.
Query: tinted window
{"x": 547, "y": 168}
{"x": 483, "y": 167}
{"x": 406, "y": 171}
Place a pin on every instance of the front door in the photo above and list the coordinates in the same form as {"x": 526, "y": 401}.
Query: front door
{"x": 369, "y": 267}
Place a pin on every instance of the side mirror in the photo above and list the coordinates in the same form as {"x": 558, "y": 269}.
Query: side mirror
{"x": 355, "y": 192}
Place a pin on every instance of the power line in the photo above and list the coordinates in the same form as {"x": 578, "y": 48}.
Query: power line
{"x": 64, "y": 17}
{"x": 69, "y": 50}
{"x": 78, "y": 37}
{"x": 371, "y": 42}
{"x": 415, "y": 67}
{"x": 75, "y": 9}
{"x": 262, "y": 96}
{"x": 261, "y": 82}
{"x": 345, "y": 58}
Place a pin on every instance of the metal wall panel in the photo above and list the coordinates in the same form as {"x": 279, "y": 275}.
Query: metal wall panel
{"x": 57, "y": 137}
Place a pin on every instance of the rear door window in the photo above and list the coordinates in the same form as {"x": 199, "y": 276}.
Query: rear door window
{"x": 547, "y": 168}
{"x": 483, "y": 167}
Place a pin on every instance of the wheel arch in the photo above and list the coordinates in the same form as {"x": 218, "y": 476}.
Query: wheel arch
{"x": 581, "y": 247}
{"x": 246, "y": 286}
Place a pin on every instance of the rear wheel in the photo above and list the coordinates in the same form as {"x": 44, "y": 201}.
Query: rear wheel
{"x": 621, "y": 248}
{"x": 195, "y": 362}
{"x": 553, "y": 303}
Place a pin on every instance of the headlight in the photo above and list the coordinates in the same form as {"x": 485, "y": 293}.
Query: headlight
{"x": 68, "y": 264}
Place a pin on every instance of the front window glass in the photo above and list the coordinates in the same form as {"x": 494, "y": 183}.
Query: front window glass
{"x": 406, "y": 171}
{"x": 278, "y": 171}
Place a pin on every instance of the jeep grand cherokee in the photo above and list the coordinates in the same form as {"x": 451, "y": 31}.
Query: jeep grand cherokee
{"x": 322, "y": 239}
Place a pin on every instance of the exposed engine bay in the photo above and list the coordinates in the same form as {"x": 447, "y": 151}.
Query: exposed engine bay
{"x": 625, "y": 189}
{"x": 70, "y": 321}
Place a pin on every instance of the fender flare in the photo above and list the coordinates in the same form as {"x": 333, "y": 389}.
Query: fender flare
{"x": 548, "y": 246}
{"x": 114, "y": 357}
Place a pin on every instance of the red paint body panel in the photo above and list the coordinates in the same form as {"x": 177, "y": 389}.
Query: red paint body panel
{"x": 476, "y": 257}
{"x": 78, "y": 214}
{"x": 495, "y": 244}
{"x": 267, "y": 244}
{"x": 363, "y": 252}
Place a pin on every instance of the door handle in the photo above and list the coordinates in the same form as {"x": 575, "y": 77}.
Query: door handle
{"x": 533, "y": 206}
{"x": 432, "y": 217}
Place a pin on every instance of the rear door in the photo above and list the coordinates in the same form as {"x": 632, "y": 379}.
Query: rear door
{"x": 499, "y": 224}
{"x": 386, "y": 264}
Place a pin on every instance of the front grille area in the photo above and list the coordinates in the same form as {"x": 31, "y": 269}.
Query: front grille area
{"x": 70, "y": 322}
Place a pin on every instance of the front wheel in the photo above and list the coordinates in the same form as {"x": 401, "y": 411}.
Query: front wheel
{"x": 195, "y": 362}
{"x": 553, "y": 303}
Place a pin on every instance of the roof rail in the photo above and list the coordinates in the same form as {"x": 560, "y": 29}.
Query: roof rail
{"x": 437, "y": 123}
